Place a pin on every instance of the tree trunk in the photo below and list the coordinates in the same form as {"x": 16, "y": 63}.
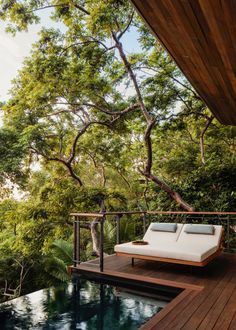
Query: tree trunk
{"x": 95, "y": 234}
{"x": 173, "y": 194}
{"x": 148, "y": 171}
{"x": 95, "y": 237}
{"x": 150, "y": 120}
{"x": 202, "y": 147}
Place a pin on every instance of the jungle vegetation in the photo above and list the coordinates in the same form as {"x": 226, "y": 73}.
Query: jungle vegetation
{"x": 107, "y": 128}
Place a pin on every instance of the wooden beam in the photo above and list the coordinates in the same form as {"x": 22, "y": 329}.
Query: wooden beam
{"x": 200, "y": 36}
{"x": 170, "y": 260}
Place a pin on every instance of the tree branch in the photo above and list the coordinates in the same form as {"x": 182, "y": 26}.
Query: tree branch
{"x": 79, "y": 134}
{"x": 113, "y": 113}
{"x": 87, "y": 43}
{"x": 104, "y": 178}
{"x": 61, "y": 5}
{"x": 147, "y": 172}
{"x": 100, "y": 108}
{"x": 123, "y": 177}
{"x": 127, "y": 26}
{"x": 148, "y": 142}
{"x": 101, "y": 43}
{"x": 173, "y": 194}
{"x": 68, "y": 163}
{"x": 81, "y": 8}
{"x": 202, "y": 148}
{"x": 62, "y": 161}
{"x": 171, "y": 76}
{"x": 131, "y": 74}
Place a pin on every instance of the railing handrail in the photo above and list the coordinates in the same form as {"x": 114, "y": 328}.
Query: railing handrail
{"x": 101, "y": 215}
{"x": 89, "y": 215}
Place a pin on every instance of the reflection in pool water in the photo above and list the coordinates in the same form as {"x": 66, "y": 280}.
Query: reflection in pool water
{"x": 80, "y": 305}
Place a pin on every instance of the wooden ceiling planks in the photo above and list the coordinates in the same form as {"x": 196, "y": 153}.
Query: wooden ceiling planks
{"x": 200, "y": 35}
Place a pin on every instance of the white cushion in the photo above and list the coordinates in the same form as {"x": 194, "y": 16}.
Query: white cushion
{"x": 189, "y": 252}
{"x": 135, "y": 249}
{"x": 179, "y": 245}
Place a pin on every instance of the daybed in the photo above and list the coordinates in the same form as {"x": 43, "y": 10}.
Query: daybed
{"x": 188, "y": 244}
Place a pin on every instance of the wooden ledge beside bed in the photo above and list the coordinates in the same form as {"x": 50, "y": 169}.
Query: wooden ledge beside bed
{"x": 187, "y": 244}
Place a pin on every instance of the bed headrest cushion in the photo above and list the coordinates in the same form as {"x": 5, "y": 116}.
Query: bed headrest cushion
{"x": 169, "y": 227}
{"x": 199, "y": 229}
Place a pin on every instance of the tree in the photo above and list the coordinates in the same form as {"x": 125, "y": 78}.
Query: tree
{"x": 72, "y": 80}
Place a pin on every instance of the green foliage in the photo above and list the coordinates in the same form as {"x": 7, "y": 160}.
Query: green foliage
{"x": 12, "y": 150}
{"x": 57, "y": 260}
{"x": 212, "y": 187}
{"x": 62, "y": 117}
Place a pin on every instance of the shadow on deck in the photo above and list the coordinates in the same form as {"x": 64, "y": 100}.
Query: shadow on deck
{"x": 208, "y": 299}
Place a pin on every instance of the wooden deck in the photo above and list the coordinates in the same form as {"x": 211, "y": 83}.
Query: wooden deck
{"x": 208, "y": 300}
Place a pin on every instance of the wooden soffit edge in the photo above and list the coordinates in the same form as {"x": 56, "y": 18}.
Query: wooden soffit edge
{"x": 200, "y": 35}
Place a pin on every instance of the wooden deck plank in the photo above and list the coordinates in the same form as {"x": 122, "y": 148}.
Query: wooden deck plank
{"x": 217, "y": 309}
{"x": 186, "y": 313}
{"x": 225, "y": 319}
{"x": 208, "y": 300}
{"x": 200, "y": 309}
{"x": 233, "y": 323}
{"x": 164, "y": 312}
{"x": 168, "y": 321}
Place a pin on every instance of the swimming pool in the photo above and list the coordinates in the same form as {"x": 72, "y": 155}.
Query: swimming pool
{"x": 83, "y": 305}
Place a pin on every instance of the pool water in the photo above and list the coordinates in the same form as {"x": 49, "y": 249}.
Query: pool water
{"x": 83, "y": 305}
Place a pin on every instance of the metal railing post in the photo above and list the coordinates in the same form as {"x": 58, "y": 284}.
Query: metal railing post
{"x": 118, "y": 217}
{"x": 101, "y": 261}
{"x": 228, "y": 233}
{"x": 144, "y": 223}
{"x": 78, "y": 242}
{"x": 75, "y": 243}
{"x": 76, "y": 252}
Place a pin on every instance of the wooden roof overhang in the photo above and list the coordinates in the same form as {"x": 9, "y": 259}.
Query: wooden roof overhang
{"x": 200, "y": 35}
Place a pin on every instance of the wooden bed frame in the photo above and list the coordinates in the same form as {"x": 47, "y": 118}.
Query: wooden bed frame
{"x": 177, "y": 261}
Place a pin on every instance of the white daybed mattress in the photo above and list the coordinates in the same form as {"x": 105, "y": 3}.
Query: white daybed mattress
{"x": 178, "y": 245}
